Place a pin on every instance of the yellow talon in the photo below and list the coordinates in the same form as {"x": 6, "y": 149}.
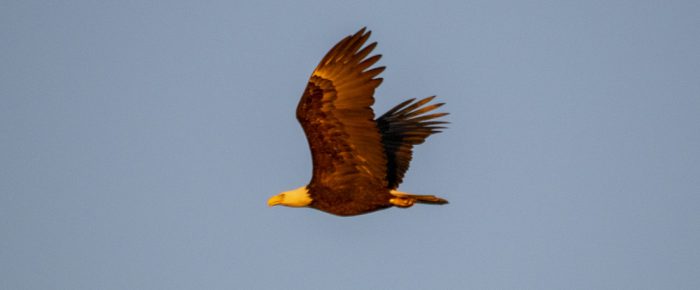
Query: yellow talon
{"x": 402, "y": 202}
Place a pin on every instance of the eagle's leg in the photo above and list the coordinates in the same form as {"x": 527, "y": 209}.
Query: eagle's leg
{"x": 402, "y": 201}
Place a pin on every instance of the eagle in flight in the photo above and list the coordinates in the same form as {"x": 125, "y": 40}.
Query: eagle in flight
{"x": 358, "y": 161}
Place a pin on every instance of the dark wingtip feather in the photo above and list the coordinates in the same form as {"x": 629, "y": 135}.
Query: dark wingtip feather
{"x": 375, "y": 71}
{"x": 366, "y": 51}
{"x": 399, "y": 107}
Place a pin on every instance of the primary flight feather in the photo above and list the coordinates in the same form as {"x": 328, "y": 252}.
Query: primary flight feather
{"x": 358, "y": 161}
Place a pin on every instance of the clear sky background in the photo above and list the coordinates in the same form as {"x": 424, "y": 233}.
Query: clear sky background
{"x": 139, "y": 143}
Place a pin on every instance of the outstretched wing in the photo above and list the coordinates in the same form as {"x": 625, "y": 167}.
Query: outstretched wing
{"x": 336, "y": 116}
{"x": 402, "y": 127}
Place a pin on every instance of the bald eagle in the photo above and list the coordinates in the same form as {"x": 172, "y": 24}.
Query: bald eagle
{"x": 358, "y": 161}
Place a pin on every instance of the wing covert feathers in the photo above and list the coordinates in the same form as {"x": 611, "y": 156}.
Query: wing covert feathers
{"x": 335, "y": 113}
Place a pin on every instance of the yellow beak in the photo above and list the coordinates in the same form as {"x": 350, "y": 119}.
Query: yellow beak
{"x": 275, "y": 200}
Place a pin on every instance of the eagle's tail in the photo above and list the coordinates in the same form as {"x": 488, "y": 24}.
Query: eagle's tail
{"x": 429, "y": 199}
{"x": 402, "y": 199}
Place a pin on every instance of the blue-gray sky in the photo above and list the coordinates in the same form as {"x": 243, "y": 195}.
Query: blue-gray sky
{"x": 139, "y": 143}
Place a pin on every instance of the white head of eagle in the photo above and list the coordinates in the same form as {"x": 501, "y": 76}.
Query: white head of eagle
{"x": 358, "y": 161}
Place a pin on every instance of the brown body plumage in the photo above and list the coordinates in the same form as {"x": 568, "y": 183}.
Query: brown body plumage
{"x": 358, "y": 162}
